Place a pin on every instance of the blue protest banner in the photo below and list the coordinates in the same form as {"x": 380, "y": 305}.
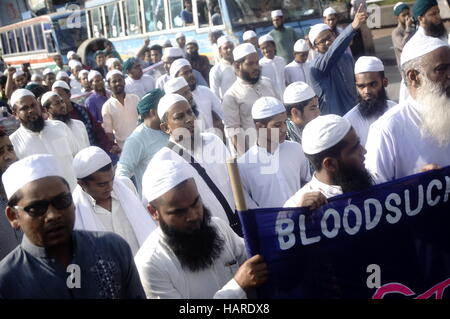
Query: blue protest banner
{"x": 391, "y": 240}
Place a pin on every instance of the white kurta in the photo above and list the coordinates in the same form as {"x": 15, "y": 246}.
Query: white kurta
{"x": 362, "y": 124}
{"x": 295, "y": 72}
{"x": 162, "y": 80}
{"x": 274, "y": 70}
{"x": 212, "y": 155}
{"x": 314, "y": 186}
{"x": 139, "y": 87}
{"x": 163, "y": 277}
{"x": 75, "y": 86}
{"x": 206, "y": 102}
{"x": 80, "y": 133}
{"x": 270, "y": 179}
{"x": 55, "y": 139}
{"x": 221, "y": 78}
{"x": 396, "y": 147}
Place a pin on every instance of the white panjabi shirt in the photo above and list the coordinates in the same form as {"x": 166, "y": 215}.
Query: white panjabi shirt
{"x": 139, "y": 87}
{"x": 80, "y": 133}
{"x": 295, "y": 72}
{"x": 274, "y": 70}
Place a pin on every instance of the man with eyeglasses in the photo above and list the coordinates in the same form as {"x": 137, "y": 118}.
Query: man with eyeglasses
{"x": 332, "y": 75}
{"x": 53, "y": 260}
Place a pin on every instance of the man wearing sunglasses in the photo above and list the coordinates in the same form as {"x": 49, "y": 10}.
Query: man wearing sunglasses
{"x": 53, "y": 260}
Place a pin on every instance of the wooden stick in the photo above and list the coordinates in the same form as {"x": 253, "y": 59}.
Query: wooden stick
{"x": 236, "y": 186}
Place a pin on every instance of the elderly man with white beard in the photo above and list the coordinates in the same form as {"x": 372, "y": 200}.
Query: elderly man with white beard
{"x": 414, "y": 136}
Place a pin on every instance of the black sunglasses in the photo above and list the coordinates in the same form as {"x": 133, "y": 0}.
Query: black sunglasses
{"x": 39, "y": 208}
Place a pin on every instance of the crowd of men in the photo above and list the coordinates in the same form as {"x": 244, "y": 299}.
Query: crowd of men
{"x": 121, "y": 169}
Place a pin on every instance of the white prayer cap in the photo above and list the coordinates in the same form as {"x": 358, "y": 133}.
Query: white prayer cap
{"x": 162, "y": 176}
{"x": 36, "y": 77}
{"x": 27, "y": 170}
{"x": 18, "y": 94}
{"x": 265, "y": 38}
{"x": 249, "y": 35}
{"x": 242, "y": 50}
{"x": 328, "y": 11}
{"x": 61, "y": 74}
{"x": 70, "y": 54}
{"x": 46, "y": 96}
{"x": 163, "y": 40}
{"x": 368, "y": 64}
{"x": 418, "y": 46}
{"x": 83, "y": 72}
{"x": 276, "y": 13}
{"x": 92, "y": 74}
{"x": 167, "y": 101}
{"x": 267, "y": 106}
{"x": 110, "y": 61}
{"x": 324, "y": 132}
{"x": 113, "y": 72}
{"x": 179, "y": 35}
{"x": 316, "y": 30}
{"x": 177, "y": 65}
{"x": 297, "y": 92}
{"x": 301, "y": 46}
{"x": 175, "y": 84}
{"x": 172, "y": 52}
{"x": 191, "y": 40}
{"x": 74, "y": 63}
{"x": 89, "y": 160}
{"x": 18, "y": 72}
{"x": 61, "y": 84}
{"x": 47, "y": 71}
{"x": 222, "y": 40}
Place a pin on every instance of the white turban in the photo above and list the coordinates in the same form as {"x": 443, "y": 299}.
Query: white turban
{"x": 74, "y": 63}
{"x": 110, "y": 61}
{"x": 177, "y": 65}
{"x": 82, "y": 72}
{"x": 46, "y": 96}
{"x": 316, "y": 30}
{"x": 420, "y": 45}
{"x": 267, "y": 106}
{"x": 18, "y": 72}
{"x": 36, "y": 77}
{"x": 162, "y": 176}
{"x": 297, "y": 92}
{"x": 92, "y": 74}
{"x": 47, "y": 71}
{"x": 242, "y": 50}
{"x": 324, "y": 132}
{"x": 27, "y": 170}
{"x": 301, "y": 46}
{"x": 89, "y": 160}
{"x": 61, "y": 84}
{"x": 328, "y": 11}
{"x": 173, "y": 85}
{"x": 265, "y": 38}
{"x": 70, "y": 54}
{"x": 276, "y": 13}
{"x": 18, "y": 94}
{"x": 61, "y": 74}
{"x": 113, "y": 72}
{"x": 249, "y": 35}
{"x": 368, "y": 64}
{"x": 179, "y": 35}
{"x": 222, "y": 40}
{"x": 167, "y": 101}
{"x": 172, "y": 52}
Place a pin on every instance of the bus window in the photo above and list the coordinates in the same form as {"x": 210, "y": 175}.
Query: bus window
{"x": 112, "y": 17}
{"x": 20, "y": 42}
{"x": 51, "y": 47}
{"x": 214, "y": 11}
{"x": 132, "y": 17}
{"x": 39, "y": 37}
{"x": 176, "y": 6}
{"x": 5, "y": 45}
{"x": 29, "y": 41}
{"x": 203, "y": 14}
{"x": 97, "y": 25}
{"x": 154, "y": 15}
{"x": 12, "y": 41}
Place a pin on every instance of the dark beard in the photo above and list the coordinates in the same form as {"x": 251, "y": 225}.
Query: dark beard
{"x": 193, "y": 86}
{"x": 352, "y": 179}
{"x": 193, "y": 56}
{"x": 280, "y": 28}
{"x": 373, "y": 108}
{"x": 436, "y": 30}
{"x": 197, "y": 250}
{"x": 63, "y": 118}
{"x": 246, "y": 77}
{"x": 35, "y": 126}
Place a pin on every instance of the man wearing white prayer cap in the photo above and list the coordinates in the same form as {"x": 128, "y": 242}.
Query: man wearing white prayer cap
{"x": 178, "y": 121}
{"x": 113, "y": 63}
{"x": 332, "y": 74}
{"x": 250, "y": 36}
{"x": 273, "y": 169}
{"x": 238, "y": 100}
{"x": 37, "y": 78}
{"x": 49, "y": 77}
{"x": 40, "y": 203}
{"x": 414, "y": 135}
{"x": 180, "y": 86}
{"x": 302, "y": 106}
{"x": 63, "y": 76}
{"x": 373, "y": 101}
{"x": 20, "y": 78}
{"x": 221, "y": 75}
{"x": 180, "y": 38}
{"x": 198, "y": 61}
{"x": 330, "y": 19}
{"x": 332, "y": 147}
{"x": 94, "y": 103}
{"x": 205, "y": 99}
{"x": 105, "y": 202}
{"x": 272, "y": 66}
{"x": 83, "y": 76}
{"x": 36, "y": 136}
{"x": 283, "y": 36}
{"x": 75, "y": 85}
{"x": 188, "y": 255}
{"x": 299, "y": 69}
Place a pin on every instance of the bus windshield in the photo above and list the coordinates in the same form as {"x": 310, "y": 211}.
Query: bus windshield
{"x": 244, "y": 12}
{"x": 70, "y": 32}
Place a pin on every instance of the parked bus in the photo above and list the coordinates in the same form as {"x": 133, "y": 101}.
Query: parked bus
{"x": 127, "y": 23}
{"x": 37, "y": 40}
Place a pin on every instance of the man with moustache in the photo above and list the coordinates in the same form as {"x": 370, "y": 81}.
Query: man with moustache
{"x": 198, "y": 61}
{"x": 94, "y": 103}
{"x": 221, "y": 75}
{"x": 284, "y": 37}
{"x": 427, "y": 13}
{"x": 415, "y": 136}
{"x": 373, "y": 102}
{"x": 36, "y": 136}
{"x": 180, "y": 86}
{"x": 137, "y": 82}
{"x": 40, "y": 203}
{"x": 404, "y": 30}
{"x": 191, "y": 255}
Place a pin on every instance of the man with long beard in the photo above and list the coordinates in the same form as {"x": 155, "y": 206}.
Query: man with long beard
{"x": 283, "y": 36}
{"x": 370, "y": 85}
{"x": 191, "y": 255}
{"x": 427, "y": 13}
{"x": 415, "y": 135}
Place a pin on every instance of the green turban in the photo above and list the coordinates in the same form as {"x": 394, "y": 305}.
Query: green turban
{"x": 128, "y": 64}
{"x": 399, "y": 7}
{"x": 149, "y": 101}
{"x": 421, "y": 6}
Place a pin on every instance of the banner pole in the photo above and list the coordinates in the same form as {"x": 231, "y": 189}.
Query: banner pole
{"x": 236, "y": 186}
